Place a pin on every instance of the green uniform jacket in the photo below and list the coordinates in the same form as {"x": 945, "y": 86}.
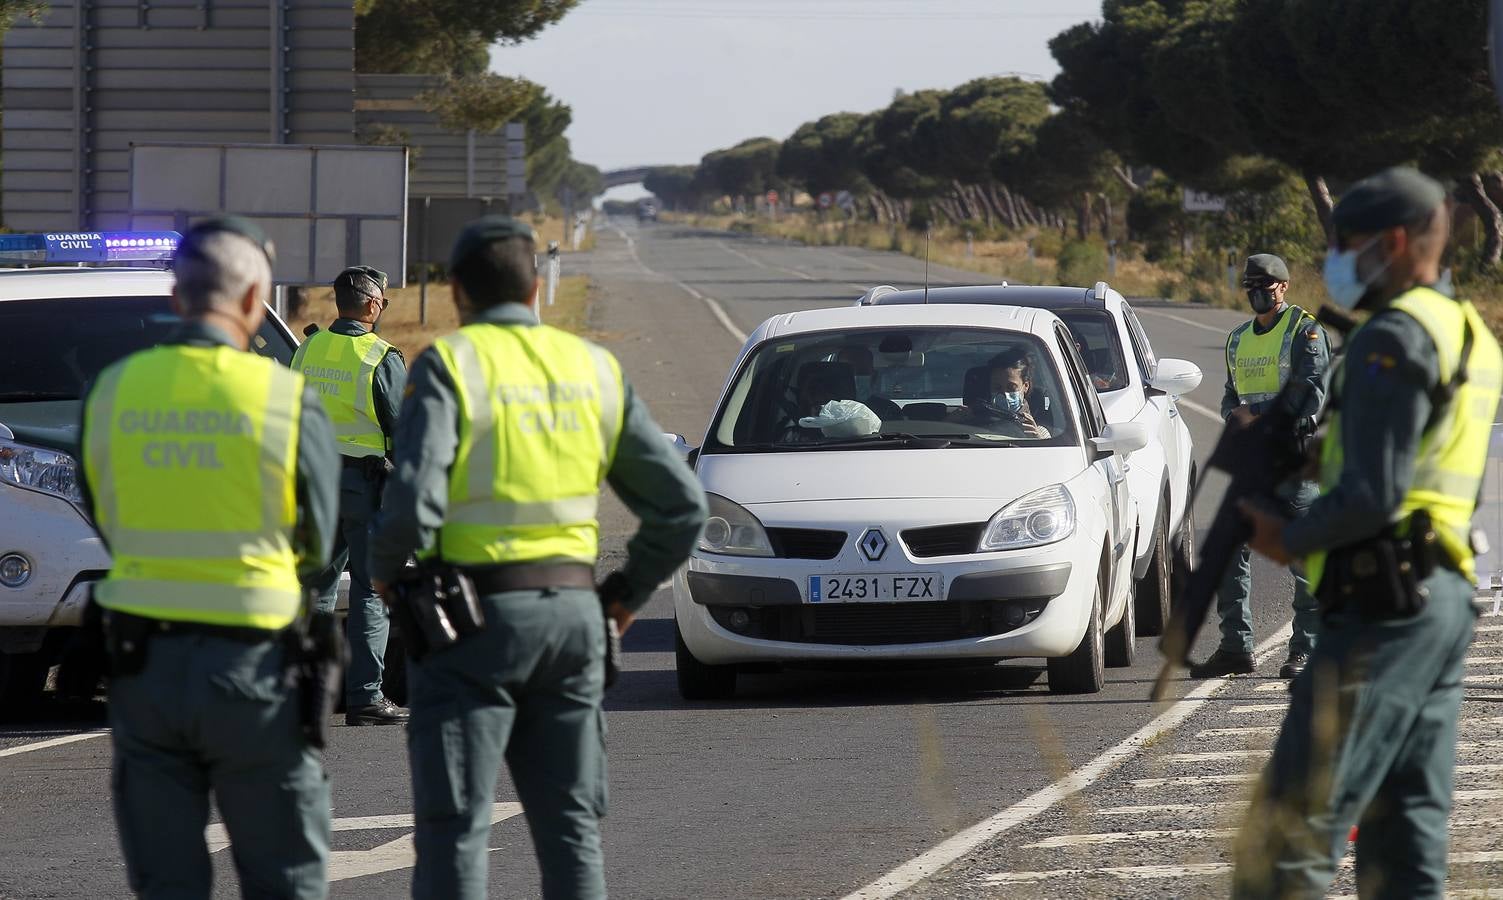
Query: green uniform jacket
{"x": 391, "y": 376}
{"x": 646, "y": 474}
{"x": 318, "y": 465}
{"x": 1311, "y": 355}
{"x": 1391, "y": 369}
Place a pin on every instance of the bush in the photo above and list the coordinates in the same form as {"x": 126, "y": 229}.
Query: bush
{"x": 1082, "y": 263}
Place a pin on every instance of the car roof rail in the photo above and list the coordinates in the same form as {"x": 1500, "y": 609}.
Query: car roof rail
{"x": 1099, "y": 291}
{"x": 871, "y": 297}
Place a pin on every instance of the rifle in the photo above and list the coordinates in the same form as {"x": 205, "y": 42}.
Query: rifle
{"x": 1259, "y": 453}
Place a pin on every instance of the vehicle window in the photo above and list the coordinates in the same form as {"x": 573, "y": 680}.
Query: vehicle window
{"x": 1094, "y": 417}
{"x": 1146, "y": 360}
{"x": 970, "y": 386}
{"x": 53, "y": 349}
{"x": 1100, "y": 346}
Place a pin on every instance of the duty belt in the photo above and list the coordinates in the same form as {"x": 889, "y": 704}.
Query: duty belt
{"x": 529, "y": 577}
{"x": 240, "y": 634}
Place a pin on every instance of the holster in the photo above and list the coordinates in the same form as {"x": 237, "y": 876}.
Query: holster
{"x": 1383, "y": 577}
{"x": 316, "y": 656}
{"x": 436, "y": 608}
{"x": 126, "y": 640}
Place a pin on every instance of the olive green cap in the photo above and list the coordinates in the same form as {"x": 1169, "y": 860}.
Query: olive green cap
{"x": 1393, "y": 198}
{"x": 1265, "y": 265}
{"x": 487, "y": 230}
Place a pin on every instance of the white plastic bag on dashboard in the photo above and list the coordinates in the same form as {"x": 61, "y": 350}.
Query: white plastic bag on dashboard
{"x": 844, "y": 419}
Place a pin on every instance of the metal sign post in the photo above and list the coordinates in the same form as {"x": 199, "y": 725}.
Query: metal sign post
{"x": 555, "y": 268}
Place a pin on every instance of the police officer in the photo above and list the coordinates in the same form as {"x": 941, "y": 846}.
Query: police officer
{"x": 508, "y": 430}
{"x": 360, "y": 379}
{"x": 1370, "y": 736}
{"x": 1281, "y": 342}
{"x": 212, "y": 477}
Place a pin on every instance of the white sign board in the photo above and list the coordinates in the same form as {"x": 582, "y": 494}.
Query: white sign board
{"x": 1199, "y": 201}
{"x": 324, "y": 207}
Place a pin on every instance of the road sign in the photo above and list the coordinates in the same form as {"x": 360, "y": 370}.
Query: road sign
{"x": 845, "y": 201}
{"x": 1200, "y": 201}
{"x": 772, "y": 196}
{"x": 325, "y": 207}
{"x": 826, "y": 200}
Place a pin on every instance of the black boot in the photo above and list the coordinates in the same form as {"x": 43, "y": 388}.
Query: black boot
{"x": 382, "y": 712}
{"x": 1223, "y": 662}
{"x": 1295, "y": 664}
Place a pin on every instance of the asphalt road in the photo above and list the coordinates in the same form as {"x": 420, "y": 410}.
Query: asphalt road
{"x": 809, "y": 784}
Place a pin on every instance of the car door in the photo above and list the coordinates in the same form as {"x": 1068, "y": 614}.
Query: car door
{"x": 1162, "y": 417}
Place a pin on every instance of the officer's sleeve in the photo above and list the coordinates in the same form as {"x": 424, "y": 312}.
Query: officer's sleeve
{"x": 417, "y": 493}
{"x": 318, "y": 473}
{"x": 1390, "y": 370}
{"x": 391, "y": 382}
{"x": 662, "y": 491}
{"x": 1229, "y": 398}
{"x": 1311, "y": 356}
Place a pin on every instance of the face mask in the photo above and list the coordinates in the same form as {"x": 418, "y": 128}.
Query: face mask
{"x": 1262, "y": 300}
{"x": 1011, "y": 401}
{"x": 1345, "y": 285}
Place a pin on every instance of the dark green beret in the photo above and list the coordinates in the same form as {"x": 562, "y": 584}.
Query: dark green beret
{"x": 361, "y": 280}
{"x": 227, "y": 224}
{"x": 1393, "y": 198}
{"x": 487, "y": 230}
{"x": 1266, "y": 265}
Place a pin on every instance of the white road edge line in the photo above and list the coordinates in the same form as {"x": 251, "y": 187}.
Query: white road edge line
{"x": 53, "y": 742}
{"x": 711, "y": 303}
{"x": 1203, "y": 411}
{"x": 949, "y": 850}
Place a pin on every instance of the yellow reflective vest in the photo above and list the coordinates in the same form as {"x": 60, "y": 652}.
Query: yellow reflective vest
{"x": 342, "y": 368}
{"x": 1260, "y": 363}
{"x": 191, "y": 457}
{"x": 1453, "y": 448}
{"x": 540, "y": 415}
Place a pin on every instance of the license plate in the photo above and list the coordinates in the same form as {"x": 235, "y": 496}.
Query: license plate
{"x": 876, "y": 588}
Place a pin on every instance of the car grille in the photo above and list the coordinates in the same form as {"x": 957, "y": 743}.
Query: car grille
{"x": 806, "y": 543}
{"x": 875, "y": 624}
{"x": 944, "y": 540}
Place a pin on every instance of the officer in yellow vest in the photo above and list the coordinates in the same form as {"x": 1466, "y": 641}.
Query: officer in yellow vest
{"x": 507, "y": 432}
{"x": 1281, "y": 343}
{"x": 360, "y": 379}
{"x": 212, "y": 476}
{"x": 1370, "y": 736}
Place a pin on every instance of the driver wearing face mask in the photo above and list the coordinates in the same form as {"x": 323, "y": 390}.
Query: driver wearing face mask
{"x": 1009, "y": 382}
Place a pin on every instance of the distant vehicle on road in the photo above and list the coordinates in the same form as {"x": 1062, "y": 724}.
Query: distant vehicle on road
{"x": 647, "y": 211}
{"x": 1135, "y": 386}
{"x": 911, "y": 482}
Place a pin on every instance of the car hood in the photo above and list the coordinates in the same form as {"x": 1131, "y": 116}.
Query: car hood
{"x": 1000, "y": 474}
{"x": 52, "y": 423}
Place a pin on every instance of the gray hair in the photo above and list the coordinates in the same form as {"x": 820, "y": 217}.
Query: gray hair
{"x": 223, "y": 266}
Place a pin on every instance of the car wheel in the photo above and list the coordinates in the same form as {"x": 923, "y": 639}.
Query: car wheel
{"x": 394, "y": 675}
{"x": 1153, "y": 592}
{"x": 1084, "y": 670}
{"x": 23, "y": 678}
{"x": 1185, "y": 550}
{"x": 1121, "y": 641}
{"x": 697, "y": 680}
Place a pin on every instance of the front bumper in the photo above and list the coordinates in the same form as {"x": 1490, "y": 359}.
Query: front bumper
{"x": 66, "y": 556}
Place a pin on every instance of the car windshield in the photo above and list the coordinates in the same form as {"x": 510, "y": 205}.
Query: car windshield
{"x": 1096, "y": 338}
{"x": 53, "y": 349}
{"x": 894, "y": 388}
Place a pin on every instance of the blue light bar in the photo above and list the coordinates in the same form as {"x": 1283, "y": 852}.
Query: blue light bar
{"x": 89, "y": 247}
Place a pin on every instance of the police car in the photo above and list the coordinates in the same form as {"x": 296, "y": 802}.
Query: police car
{"x": 85, "y": 301}
{"x": 872, "y": 499}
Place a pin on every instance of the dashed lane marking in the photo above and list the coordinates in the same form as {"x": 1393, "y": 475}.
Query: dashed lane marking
{"x": 1153, "y": 809}
{"x": 1273, "y": 686}
{"x": 797, "y": 273}
{"x": 1184, "y": 321}
{"x": 948, "y": 851}
{"x": 1208, "y": 781}
{"x": 1484, "y": 660}
{"x": 1212, "y": 757}
{"x": 1238, "y": 732}
{"x": 53, "y": 742}
{"x": 711, "y": 303}
{"x": 1247, "y": 709}
{"x": 1488, "y": 628}
{"x": 1478, "y": 794}
{"x": 1061, "y": 841}
{"x": 1482, "y": 679}
{"x": 1123, "y": 873}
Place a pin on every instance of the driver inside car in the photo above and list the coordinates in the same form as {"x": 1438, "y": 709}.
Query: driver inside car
{"x": 998, "y": 392}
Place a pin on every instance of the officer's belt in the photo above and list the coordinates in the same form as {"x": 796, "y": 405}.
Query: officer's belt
{"x": 529, "y": 577}
{"x": 238, "y": 633}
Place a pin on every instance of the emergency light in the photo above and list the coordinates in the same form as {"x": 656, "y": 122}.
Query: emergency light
{"x": 67, "y": 248}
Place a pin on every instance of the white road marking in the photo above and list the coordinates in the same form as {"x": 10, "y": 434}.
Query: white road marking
{"x": 1153, "y": 809}
{"x": 1478, "y": 745}
{"x": 1478, "y": 794}
{"x": 1148, "y": 784}
{"x": 1214, "y": 756}
{"x": 1061, "y": 841}
{"x": 1124, "y": 873}
{"x": 1237, "y": 732}
{"x": 1224, "y": 332}
{"x": 1488, "y": 628}
{"x": 1479, "y": 768}
{"x": 53, "y": 742}
{"x": 1482, "y": 679}
{"x": 947, "y": 851}
{"x": 1273, "y": 686}
{"x": 1203, "y": 411}
{"x": 1247, "y": 709}
{"x": 711, "y": 303}
{"x": 765, "y": 265}
{"x": 1482, "y": 720}
{"x": 1484, "y": 660}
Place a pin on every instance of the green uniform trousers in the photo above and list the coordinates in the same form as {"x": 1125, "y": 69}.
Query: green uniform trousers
{"x": 369, "y": 625}
{"x": 209, "y": 714}
{"x": 1369, "y": 740}
{"x": 527, "y": 689}
{"x": 1234, "y": 599}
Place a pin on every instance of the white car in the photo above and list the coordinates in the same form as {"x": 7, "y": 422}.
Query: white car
{"x": 59, "y": 327}
{"x": 1135, "y": 386}
{"x": 931, "y": 523}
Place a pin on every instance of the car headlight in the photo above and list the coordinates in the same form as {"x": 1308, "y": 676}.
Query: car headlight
{"x": 1033, "y": 520}
{"x": 732, "y": 531}
{"x": 40, "y": 469}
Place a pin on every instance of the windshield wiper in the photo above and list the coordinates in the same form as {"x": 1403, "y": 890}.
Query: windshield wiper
{"x": 34, "y": 396}
{"x": 886, "y": 439}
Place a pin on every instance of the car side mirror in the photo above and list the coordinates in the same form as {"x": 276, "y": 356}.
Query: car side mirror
{"x": 680, "y": 446}
{"x": 1175, "y": 377}
{"x": 1121, "y": 438}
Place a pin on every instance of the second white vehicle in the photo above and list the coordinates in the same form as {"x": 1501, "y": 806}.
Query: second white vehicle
{"x": 911, "y": 482}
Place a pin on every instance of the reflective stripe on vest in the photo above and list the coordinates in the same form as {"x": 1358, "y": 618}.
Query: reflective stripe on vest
{"x": 541, "y": 414}
{"x": 342, "y": 368}
{"x": 1260, "y": 363}
{"x": 1452, "y": 455}
{"x": 191, "y": 455}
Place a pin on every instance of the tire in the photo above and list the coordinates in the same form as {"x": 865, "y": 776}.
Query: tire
{"x": 1185, "y": 549}
{"x": 1122, "y": 640}
{"x": 1153, "y": 594}
{"x": 23, "y": 679}
{"x": 1084, "y": 670}
{"x": 394, "y": 676}
{"x": 697, "y": 680}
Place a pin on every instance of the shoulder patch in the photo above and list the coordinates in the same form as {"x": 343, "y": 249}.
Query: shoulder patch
{"x": 1379, "y": 362}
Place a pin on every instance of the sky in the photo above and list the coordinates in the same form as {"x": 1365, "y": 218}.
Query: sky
{"x": 658, "y": 82}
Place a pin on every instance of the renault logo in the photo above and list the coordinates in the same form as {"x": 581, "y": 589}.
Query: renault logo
{"x": 873, "y": 544}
